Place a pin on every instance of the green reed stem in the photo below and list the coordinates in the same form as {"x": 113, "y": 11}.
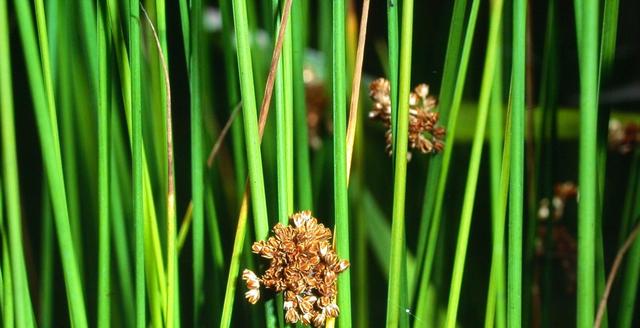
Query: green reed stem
{"x": 340, "y": 192}
{"x": 516, "y": 192}
{"x": 137, "y": 145}
{"x": 394, "y": 58}
{"x": 46, "y": 299}
{"x": 104, "y": 245}
{"x": 397, "y": 283}
{"x": 587, "y": 16}
{"x": 496, "y": 308}
{"x": 197, "y": 158}
{"x": 120, "y": 177}
{"x": 304, "y": 192}
{"x": 6, "y": 283}
{"x": 234, "y": 266}
{"x": 256, "y": 179}
{"x": 284, "y": 119}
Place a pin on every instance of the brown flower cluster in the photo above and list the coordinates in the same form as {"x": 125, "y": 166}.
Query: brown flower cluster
{"x": 304, "y": 266}
{"x": 623, "y": 138}
{"x": 424, "y": 134}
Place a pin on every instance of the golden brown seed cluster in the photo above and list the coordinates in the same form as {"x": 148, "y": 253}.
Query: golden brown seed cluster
{"x": 304, "y": 266}
{"x": 424, "y": 134}
{"x": 623, "y": 138}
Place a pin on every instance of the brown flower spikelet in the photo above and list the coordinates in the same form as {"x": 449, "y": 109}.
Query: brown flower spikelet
{"x": 424, "y": 134}
{"x": 304, "y": 266}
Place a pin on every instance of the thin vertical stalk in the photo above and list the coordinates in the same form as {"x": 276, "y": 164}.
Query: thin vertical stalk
{"x": 516, "y": 188}
{"x": 197, "y": 158}
{"x": 393, "y": 40}
{"x": 340, "y": 193}
{"x": 495, "y": 300}
{"x": 46, "y": 299}
{"x": 284, "y": 119}
{"x": 397, "y": 283}
{"x": 588, "y": 44}
{"x": 137, "y": 145}
{"x": 301, "y": 138}
{"x": 256, "y": 179}
{"x": 8, "y": 315}
{"x": 120, "y": 178}
{"x": 237, "y": 137}
{"x": 496, "y": 307}
{"x": 18, "y": 275}
{"x": 104, "y": 246}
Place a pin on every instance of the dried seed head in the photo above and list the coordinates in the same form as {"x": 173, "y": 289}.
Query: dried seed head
{"x": 303, "y": 265}
{"x": 424, "y": 133}
{"x": 623, "y": 138}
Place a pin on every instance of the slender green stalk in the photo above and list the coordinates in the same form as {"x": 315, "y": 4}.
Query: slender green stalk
{"x": 340, "y": 193}
{"x": 496, "y": 311}
{"x": 474, "y": 164}
{"x": 104, "y": 245}
{"x": 137, "y": 145}
{"x": 496, "y": 304}
{"x": 393, "y": 39}
{"x": 234, "y": 266}
{"x": 52, "y": 161}
{"x": 256, "y": 179}
{"x": 120, "y": 178}
{"x": 588, "y": 41}
{"x": 186, "y": 29}
{"x": 8, "y": 315}
{"x": 46, "y": 265}
{"x": 6, "y": 283}
{"x": 284, "y": 120}
{"x": 197, "y": 158}
{"x": 237, "y": 137}
{"x": 434, "y": 231}
{"x": 252, "y": 137}
{"x": 21, "y": 302}
{"x": 516, "y": 189}
{"x": 397, "y": 288}
{"x": 301, "y": 138}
